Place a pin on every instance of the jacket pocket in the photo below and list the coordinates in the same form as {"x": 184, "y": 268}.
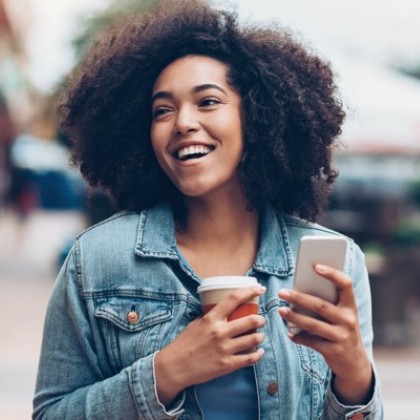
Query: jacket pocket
{"x": 134, "y": 314}
{"x": 134, "y": 325}
{"x": 312, "y": 363}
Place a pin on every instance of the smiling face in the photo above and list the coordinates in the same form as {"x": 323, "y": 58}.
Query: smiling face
{"x": 196, "y": 128}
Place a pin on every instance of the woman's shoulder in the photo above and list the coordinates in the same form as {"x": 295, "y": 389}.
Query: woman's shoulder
{"x": 108, "y": 238}
{"x": 297, "y": 225}
{"x": 116, "y": 225}
{"x": 296, "y": 228}
{"x": 124, "y": 230}
{"x": 103, "y": 251}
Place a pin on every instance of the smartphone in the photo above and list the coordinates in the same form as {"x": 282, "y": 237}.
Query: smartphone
{"x": 328, "y": 250}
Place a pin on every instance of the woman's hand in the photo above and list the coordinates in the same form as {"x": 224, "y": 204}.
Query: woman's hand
{"x": 336, "y": 336}
{"x": 209, "y": 347}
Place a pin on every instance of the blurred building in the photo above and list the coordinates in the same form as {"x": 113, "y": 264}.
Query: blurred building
{"x": 14, "y": 89}
{"x": 376, "y": 196}
{"x": 380, "y": 162}
{"x": 14, "y": 25}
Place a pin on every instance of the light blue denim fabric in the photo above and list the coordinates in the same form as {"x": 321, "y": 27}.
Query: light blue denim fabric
{"x": 95, "y": 364}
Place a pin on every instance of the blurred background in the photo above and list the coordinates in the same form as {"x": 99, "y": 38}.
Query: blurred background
{"x": 374, "y": 49}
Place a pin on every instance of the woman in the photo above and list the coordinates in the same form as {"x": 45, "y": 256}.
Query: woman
{"x": 212, "y": 139}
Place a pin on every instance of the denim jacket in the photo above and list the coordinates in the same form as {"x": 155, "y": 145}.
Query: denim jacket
{"x": 124, "y": 293}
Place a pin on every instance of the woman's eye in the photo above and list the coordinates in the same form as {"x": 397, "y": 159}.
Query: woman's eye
{"x": 160, "y": 111}
{"x": 209, "y": 102}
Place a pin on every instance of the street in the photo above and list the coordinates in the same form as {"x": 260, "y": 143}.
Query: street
{"x": 28, "y": 254}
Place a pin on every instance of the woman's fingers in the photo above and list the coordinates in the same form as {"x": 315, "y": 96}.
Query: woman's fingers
{"x": 224, "y": 333}
{"x": 335, "y": 334}
{"x": 323, "y": 322}
{"x": 249, "y": 358}
{"x": 211, "y": 346}
{"x": 343, "y": 283}
{"x": 244, "y": 344}
{"x": 321, "y": 308}
{"x": 249, "y": 323}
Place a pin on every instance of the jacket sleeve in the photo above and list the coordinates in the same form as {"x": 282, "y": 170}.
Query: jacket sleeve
{"x": 72, "y": 382}
{"x": 333, "y": 409}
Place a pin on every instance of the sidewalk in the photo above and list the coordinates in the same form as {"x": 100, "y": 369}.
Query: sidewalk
{"x": 399, "y": 371}
{"x": 27, "y": 271}
{"x": 28, "y": 252}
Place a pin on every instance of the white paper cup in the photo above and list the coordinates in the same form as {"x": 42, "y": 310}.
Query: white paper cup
{"x": 213, "y": 289}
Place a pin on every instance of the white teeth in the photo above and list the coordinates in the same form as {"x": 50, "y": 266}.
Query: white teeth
{"x": 185, "y": 152}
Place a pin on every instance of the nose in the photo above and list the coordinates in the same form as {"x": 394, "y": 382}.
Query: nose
{"x": 186, "y": 121}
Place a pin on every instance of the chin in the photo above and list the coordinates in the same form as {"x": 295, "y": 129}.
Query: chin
{"x": 193, "y": 189}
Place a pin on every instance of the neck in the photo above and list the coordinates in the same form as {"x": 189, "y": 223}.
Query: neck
{"x": 227, "y": 219}
{"x": 221, "y": 236}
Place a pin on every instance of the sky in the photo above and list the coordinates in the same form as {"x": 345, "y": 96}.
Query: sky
{"x": 383, "y": 31}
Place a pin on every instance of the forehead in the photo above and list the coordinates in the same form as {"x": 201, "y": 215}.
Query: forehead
{"x": 193, "y": 70}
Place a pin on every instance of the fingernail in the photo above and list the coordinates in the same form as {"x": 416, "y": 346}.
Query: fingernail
{"x": 320, "y": 268}
{"x": 261, "y": 289}
{"x": 284, "y": 293}
{"x": 284, "y": 311}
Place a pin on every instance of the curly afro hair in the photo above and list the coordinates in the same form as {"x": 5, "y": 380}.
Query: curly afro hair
{"x": 292, "y": 115}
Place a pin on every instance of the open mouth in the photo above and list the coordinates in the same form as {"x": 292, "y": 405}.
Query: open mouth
{"x": 193, "y": 152}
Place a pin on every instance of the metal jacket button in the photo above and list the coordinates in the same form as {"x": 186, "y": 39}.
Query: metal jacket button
{"x": 133, "y": 317}
{"x": 272, "y": 388}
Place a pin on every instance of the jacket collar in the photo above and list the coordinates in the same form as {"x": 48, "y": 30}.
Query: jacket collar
{"x": 156, "y": 238}
{"x": 274, "y": 255}
{"x": 156, "y": 233}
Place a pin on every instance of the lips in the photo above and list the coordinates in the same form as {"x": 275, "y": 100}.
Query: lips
{"x": 194, "y": 151}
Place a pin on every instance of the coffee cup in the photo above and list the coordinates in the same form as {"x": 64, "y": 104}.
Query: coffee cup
{"x": 213, "y": 289}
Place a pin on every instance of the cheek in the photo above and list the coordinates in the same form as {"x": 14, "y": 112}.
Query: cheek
{"x": 153, "y": 134}
{"x": 236, "y": 136}
{"x": 234, "y": 122}
{"x": 156, "y": 137}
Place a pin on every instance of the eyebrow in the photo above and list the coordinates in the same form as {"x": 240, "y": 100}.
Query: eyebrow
{"x": 196, "y": 89}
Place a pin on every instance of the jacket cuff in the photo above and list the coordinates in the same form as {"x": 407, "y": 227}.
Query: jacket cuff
{"x": 334, "y": 409}
{"x": 143, "y": 387}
